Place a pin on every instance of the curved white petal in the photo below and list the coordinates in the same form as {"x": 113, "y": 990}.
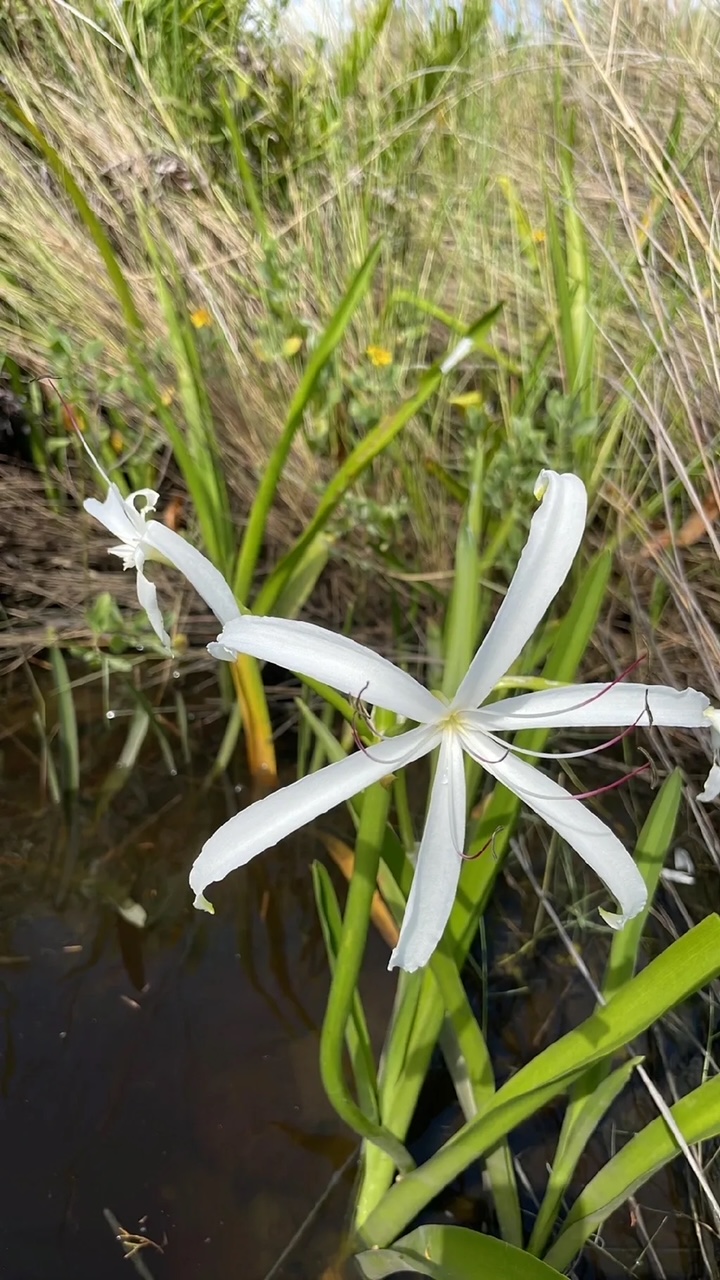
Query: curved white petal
{"x": 336, "y": 660}
{"x": 277, "y": 815}
{"x": 115, "y": 514}
{"x": 711, "y": 790}
{"x": 555, "y": 533}
{"x": 579, "y": 826}
{"x": 596, "y": 706}
{"x": 438, "y": 864}
{"x": 137, "y": 514}
{"x": 147, "y": 596}
{"x": 200, "y": 573}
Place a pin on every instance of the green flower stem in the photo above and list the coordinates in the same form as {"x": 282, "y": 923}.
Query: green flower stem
{"x": 462, "y": 617}
{"x": 342, "y": 991}
{"x": 404, "y": 817}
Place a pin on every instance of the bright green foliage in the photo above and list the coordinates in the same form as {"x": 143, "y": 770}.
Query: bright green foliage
{"x": 453, "y": 1253}
{"x": 684, "y": 968}
{"x": 698, "y": 1118}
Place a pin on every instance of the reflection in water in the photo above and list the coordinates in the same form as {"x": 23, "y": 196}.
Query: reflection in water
{"x": 166, "y": 1074}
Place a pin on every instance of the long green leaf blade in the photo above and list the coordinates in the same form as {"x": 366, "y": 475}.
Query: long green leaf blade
{"x": 454, "y": 1253}
{"x": 698, "y": 1118}
{"x": 680, "y": 971}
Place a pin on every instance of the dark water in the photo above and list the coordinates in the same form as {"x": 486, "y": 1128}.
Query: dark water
{"x": 166, "y": 1078}
{"x": 167, "y": 1074}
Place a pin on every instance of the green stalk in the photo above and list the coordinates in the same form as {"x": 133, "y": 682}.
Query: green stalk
{"x": 67, "y": 720}
{"x": 340, "y": 1005}
{"x": 462, "y": 615}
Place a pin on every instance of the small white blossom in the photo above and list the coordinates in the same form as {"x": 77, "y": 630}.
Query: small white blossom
{"x": 144, "y": 539}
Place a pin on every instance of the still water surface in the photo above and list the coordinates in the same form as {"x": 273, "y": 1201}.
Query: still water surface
{"x": 167, "y": 1074}
{"x": 166, "y": 1078}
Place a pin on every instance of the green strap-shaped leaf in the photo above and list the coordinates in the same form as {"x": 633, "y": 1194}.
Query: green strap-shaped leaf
{"x": 698, "y": 1118}
{"x": 650, "y": 854}
{"x": 574, "y": 1138}
{"x": 681, "y": 970}
{"x": 357, "y": 1035}
{"x": 454, "y": 1253}
{"x": 596, "y": 1090}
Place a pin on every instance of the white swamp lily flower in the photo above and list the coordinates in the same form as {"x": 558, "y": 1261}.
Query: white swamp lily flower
{"x": 463, "y": 726}
{"x": 144, "y": 539}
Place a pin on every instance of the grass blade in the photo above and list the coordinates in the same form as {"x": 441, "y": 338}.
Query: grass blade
{"x": 255, "y": 530}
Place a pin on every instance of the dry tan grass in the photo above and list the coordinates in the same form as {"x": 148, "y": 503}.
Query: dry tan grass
{"x": 439, "y": 179}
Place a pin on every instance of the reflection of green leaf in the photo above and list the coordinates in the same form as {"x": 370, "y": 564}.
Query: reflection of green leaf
{"x": 454, "y": 1253}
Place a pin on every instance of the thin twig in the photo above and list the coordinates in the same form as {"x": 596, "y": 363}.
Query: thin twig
{"x": 132, "y": 1253}
{"x": 307, "y": 1221}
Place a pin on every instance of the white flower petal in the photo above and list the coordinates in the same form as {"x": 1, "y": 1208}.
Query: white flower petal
{"x": 200, "y": 573}
{"x": 459, "y": 352}
{"x": 139, "y": 514}
{"x": 336, "y": 660}
{"x": 147, "y": 596}
{"x": 684, "y": 870}
{"x": 711, "y": 790}
{"x": 126, "y": 553}
{"x": 220, "y": 653}
{"x": 577, "y": 825}
{"x": 554, "y": 538}
{"x": 595, "y": 706}
{"x": 438, "y": 864}
{"x": 277, "y": 815}
{"x": 115, "y": 514}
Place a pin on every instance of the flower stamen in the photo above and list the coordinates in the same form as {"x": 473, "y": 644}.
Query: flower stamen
{"x": 587, "y": 751}
{"x": 577, "y": 706}
{"x": 620, "y": 782}
{"x": 360, "y": 710}
{"x": 490, "y": 843}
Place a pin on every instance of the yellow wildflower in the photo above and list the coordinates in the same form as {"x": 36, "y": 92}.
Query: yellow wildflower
{"x": 200, "y": 318}
{"x": 379, "y": 356}
{"x": 291, "y": 346}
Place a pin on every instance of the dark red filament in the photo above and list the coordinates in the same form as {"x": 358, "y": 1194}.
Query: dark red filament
{"x": 470, "y": 857}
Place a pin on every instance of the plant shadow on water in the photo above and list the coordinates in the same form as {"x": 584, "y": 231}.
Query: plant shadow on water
{"x": 169, "y": 1075}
